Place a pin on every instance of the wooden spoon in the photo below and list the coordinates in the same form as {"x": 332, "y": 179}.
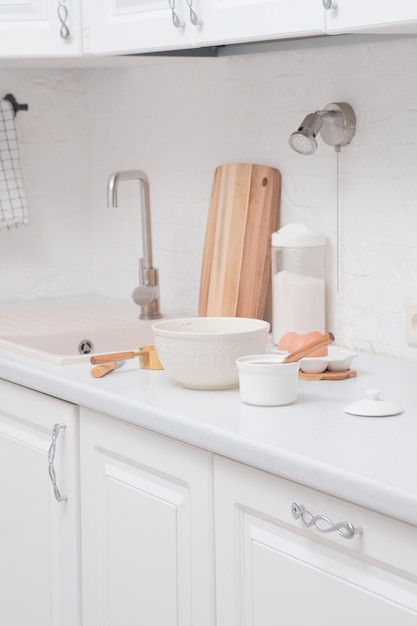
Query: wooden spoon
{"x": 101, "y": 370}
{"x": 148, "y": 358}
{"x": 115, "y": 356}
{"x": 308, "y": 348}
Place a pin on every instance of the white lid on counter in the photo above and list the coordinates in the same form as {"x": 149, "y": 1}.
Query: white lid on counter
{"x": 373, "y": 406}
{"x": 297, "y": 236}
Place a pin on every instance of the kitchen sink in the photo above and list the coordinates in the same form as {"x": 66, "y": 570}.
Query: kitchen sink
{"x": 71, "y": 334}
{"x": 78, "y": 346}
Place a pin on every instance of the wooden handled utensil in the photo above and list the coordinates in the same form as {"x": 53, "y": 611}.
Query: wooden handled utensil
{"x": 101, "y": 370}
{"x": 115, "y": 356}
{"x": 148, "y": 360}
{"x": 308, "y": 348}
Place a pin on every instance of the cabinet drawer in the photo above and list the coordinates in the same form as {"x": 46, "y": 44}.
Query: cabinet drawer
{"x": 37, "y": 409}
{"x": 378, "y": 540}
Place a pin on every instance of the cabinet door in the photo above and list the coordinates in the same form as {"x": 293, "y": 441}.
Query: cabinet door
{"x": 124, "y": 26}
{"x": 146, "y": 528}
{"x": 271, "y": 570}
{"x": 231, "y": 21}
{"x": 33, "y": 28}
{"x": 39, "y": 537}
{"x": 372, "y": 16}
{"x": 145, "y": 25}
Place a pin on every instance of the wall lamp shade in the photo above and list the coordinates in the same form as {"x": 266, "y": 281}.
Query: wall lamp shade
{"x": 336, "y": 123}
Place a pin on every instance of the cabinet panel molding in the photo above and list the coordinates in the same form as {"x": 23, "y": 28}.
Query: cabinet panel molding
{"x": 40, "y": 570}
{"x": 271, "y": 568}
{"x": 147, "y": 527}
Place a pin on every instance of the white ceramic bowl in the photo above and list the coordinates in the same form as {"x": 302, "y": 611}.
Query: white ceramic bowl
{"x": 340, "y": 359}
{"x": 314, "y": 364}
{"x": 201, "y": 352}
{"x": 265, "y": 381}
{"x": 337, "y": 360}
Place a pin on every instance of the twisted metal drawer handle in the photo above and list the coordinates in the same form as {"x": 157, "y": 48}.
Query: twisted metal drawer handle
{"x": 323, "y": 524}
{"x": 329, "y": 5}
{"x": 176, "y": 20}
{"x": 51, "y": 459}
{"x": 194, "y": 19}
{"x": 63, "y": 16}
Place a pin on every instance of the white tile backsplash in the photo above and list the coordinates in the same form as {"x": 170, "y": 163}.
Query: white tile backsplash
{"x": 177, "y": 119}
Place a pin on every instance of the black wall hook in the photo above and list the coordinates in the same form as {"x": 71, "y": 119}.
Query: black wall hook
{"x": 16, "y": 106}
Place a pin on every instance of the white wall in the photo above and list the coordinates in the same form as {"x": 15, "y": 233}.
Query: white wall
{"x": 177, "y": 118}
{"x": 51, "y": 256}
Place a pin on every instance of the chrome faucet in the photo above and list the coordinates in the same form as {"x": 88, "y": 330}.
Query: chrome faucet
{"x": 147, "y": 294}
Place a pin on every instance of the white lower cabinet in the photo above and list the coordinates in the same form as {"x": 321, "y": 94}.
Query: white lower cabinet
{"x": 146, "y": 527}
{"x": 274, "y": 569}
{"x": 39, "y": 536}
{"x": 172, "y": 535}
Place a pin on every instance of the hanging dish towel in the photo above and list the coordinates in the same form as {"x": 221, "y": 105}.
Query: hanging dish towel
{"x": 13, "y": 205}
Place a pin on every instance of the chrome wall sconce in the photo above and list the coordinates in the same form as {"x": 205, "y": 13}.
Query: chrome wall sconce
{"x": 336, "y": 123}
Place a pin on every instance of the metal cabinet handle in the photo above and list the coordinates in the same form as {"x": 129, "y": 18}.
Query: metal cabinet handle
{"x": 174, "y": 15}
{"x": 51, "y": 458}
{"x": 194, "y": 19}
{"x": 329, "y": 5}
{"x": 63, "y": 16}
{"x": 345, "y": 529}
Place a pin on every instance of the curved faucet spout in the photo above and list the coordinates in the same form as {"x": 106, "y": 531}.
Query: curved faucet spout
{"x": 148, "y": 275}
{"x": 112, "y": 188}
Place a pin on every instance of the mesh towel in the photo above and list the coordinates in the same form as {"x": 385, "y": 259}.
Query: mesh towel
{"x": 13, "y": 206}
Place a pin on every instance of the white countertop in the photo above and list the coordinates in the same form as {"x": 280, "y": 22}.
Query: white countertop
{"x": 370, "y": 461}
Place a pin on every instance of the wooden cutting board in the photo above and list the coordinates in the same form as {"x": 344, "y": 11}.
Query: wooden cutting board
{"x": 236, "y": 267}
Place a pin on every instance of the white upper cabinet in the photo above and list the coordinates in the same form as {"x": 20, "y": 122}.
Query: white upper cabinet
{"x": 128, "y": 26}
{"x": 40, "y": 28}
{"x": 124, "y": 26}
{"x": 71, "y": 28}
{"x": 234, "y": 21}
{"x": 373, "y": 16}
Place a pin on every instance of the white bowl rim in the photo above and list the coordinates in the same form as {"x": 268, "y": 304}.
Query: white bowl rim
{"x": 269, "y": 362}
{"x": 158, "y": 327}
{"x": 266, "y": 358}
{"x": 334, "y": 355}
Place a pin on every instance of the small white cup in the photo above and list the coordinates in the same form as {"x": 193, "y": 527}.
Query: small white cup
{"x": 265, "y": 381}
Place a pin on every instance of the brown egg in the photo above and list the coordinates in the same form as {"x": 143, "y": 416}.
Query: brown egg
{"x": 315, "y": 334}
{"x": 286, "y": 341}
{"x": 302, "y": 340}
{"x": 299, "y": 342}
{"x": 319, "y": 352}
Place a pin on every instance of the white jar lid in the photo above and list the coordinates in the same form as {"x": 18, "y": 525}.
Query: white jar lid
{"x": 296, "y": 236}
{"x": 373, "y": 406}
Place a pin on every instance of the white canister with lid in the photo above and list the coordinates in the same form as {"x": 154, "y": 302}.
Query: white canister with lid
{"x": 298, "y": 281}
